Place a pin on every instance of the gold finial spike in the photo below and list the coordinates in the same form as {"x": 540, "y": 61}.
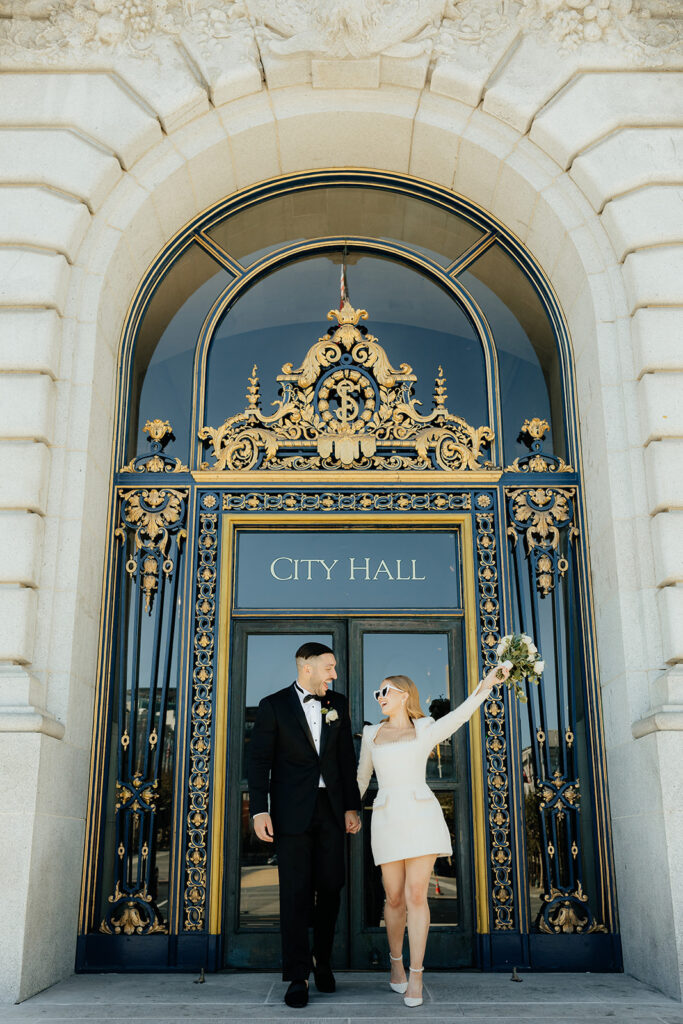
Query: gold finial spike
{"x": 157, "y": 429}
{"x": 440, "y": 395}
{"x": 535, "y": 429}
{"x": 253, "y": 392}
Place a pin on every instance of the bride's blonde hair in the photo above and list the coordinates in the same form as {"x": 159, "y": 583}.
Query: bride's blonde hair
{"x": 408, "y": 686}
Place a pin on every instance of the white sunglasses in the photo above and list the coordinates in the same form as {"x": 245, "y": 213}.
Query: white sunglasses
{"x": 384, "y": 690}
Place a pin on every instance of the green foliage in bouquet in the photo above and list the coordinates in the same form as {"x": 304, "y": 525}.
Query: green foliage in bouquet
{"x": 518, "y": 652}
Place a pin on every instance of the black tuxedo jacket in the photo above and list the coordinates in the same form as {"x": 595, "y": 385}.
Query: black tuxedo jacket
{"x": 283, "y": 762}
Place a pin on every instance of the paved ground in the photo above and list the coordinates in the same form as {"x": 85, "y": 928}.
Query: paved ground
{"x": 464, "y": 998}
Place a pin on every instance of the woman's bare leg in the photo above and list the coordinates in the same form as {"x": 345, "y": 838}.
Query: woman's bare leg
{"x": 394, "y": 881}
{"x": 418, "y": 872}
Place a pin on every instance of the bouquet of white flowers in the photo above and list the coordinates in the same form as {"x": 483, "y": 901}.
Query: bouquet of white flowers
{"x": 518, "y": 652}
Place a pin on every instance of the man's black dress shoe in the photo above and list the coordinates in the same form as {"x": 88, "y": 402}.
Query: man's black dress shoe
{"x": 324, "y": 978}
{"x": 297, "y": 994}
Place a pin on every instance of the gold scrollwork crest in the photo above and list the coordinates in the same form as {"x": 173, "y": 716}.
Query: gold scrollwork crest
{"x": 540, "y": 513}
{"x": 155, "y": 515}
{"x": 347, "y": 407}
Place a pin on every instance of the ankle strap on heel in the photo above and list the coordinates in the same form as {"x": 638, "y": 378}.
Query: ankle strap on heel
{"x": 395, "y": 957}
{"x": 416, "y": 970}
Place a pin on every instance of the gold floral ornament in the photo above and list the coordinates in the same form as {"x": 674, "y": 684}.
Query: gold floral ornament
{"x": 156, "y": 517}
{"x": 347, "y": 407}
{"x": 540, "y": 513}
{"x": 532, "y": 434}
{"x": 160, "y": 432}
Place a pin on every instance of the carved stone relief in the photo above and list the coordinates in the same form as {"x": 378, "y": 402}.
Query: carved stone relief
{"x": 213, "y": 32}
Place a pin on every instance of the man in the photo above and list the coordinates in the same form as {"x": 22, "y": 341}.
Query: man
{"x": 301, "y": 753}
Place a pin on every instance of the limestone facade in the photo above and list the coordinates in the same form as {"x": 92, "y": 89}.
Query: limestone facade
{"x": 122, "y": 119}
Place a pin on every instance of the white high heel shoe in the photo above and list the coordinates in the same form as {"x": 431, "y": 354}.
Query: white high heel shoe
{"x": 414, "y": 1000}
{"x": 398, "y": 986}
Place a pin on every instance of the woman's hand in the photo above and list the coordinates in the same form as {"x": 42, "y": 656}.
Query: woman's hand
{"x": 496, "y": 675}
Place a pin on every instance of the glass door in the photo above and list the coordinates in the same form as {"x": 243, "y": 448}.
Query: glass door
{"x": 431, "y": 653}
{"x": 263, "y": 662}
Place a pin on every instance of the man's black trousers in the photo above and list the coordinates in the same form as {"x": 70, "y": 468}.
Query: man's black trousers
{"x": 311, "y": 872}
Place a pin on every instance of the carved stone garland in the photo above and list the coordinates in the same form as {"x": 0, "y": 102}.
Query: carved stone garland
{"x": 498, "y": 798}
{"x": 346, "y": 407}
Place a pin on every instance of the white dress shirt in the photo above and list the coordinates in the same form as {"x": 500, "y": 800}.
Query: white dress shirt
{"x": 314, "y": 716}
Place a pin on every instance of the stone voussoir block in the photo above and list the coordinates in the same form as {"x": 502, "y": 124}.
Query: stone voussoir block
{"x": 21, "y": 535}
{"x": 24, "y": 474}
{"x": 654, "y": 277}
{"x": 596, "y": 103}
{"x": 670, "y": 605}
{"x": 57, "y": 159}
{"x": 92, "y": 103}
{"x": 657, "y": 334}
{"x": 17, "y": 624}
{"x": 648, "y": 217}
{"x": 664, "y": 474}
{"x": 660, "y": 397}
{"x": 629, "y": 159}
{"x": 36, "y": 279}
{"x": 667, "y": 542}
{"x": 35, "y": 216}
{"x": 30, "y": 341}
{"x": 27, "y": 406}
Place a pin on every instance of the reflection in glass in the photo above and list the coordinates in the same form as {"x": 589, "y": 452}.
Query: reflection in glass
{"x": 423, "y": 657}
{"x": 259, "y": 888}
{"x": 281, "y": 316}
{"x": 345, "y": 211}
{"x": 161, "y": 383}
{"x": 270, "y": 666}
{"x": 528, "y": 363}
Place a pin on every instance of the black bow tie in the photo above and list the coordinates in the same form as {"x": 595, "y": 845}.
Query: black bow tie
{"x": 309, "y": 696}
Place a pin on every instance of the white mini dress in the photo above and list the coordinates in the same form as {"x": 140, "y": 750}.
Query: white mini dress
{"x": 407, "y": 820}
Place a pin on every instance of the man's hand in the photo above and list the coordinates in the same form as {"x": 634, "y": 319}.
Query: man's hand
{"x": 352, "y": 822}
{"x": 263, "y": 827}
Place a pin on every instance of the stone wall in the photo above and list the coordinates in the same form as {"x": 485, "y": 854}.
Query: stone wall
{"x": 119, "y": 123}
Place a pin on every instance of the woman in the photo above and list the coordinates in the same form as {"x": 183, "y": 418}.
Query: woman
{"x": 408, "y": 827}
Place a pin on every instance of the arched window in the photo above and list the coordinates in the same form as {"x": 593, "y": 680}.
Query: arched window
{"x": 459, "y": 403}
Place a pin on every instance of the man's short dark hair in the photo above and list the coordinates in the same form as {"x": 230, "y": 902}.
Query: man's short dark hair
{"x": 312, "y": 649}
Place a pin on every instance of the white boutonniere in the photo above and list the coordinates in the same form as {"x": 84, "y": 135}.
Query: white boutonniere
{"x": 331, "y": 715}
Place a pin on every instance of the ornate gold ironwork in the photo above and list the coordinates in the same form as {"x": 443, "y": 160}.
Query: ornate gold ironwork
{"x": 532, "y": 433}
{"x": 494, "y": 725}
{"x": 347, "y": 501}
{"x": 346, "y": 407}
{"x": 196, "y": 856}
{"x": 568, "y": 913}
{"x": 540, "y": 513}
{"x": 137, "y": 916}
{"x": 160, "y": 432}
{"x": 155, "y": 514}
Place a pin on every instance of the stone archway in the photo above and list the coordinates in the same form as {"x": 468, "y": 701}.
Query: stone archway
{"x": 90, "y": 283}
